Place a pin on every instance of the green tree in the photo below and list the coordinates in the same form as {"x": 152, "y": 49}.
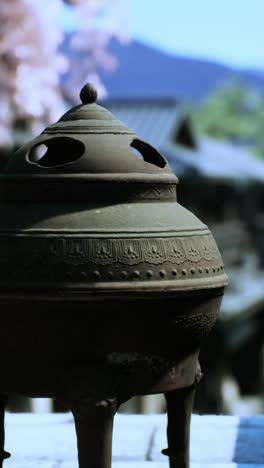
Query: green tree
{"x": 259, "y": 147}
{"x": 233, "y": 112}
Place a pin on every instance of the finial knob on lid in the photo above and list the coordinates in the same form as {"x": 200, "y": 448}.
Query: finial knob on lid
{"x": 88, "y": 94}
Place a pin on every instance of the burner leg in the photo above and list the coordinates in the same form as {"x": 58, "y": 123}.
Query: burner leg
{"x": 179, "y": 409}
{"x": 94, "y": 427}
{"x": 4, "y": 454}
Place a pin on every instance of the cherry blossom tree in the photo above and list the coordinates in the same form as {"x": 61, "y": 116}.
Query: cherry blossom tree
{"x": 98, "y": 21}
{"x": 31, "y": 62}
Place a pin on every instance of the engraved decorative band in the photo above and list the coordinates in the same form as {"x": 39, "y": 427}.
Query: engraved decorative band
{"x": 132, "y": 251}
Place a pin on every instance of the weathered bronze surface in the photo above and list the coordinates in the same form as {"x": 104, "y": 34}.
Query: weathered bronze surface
{"x": 107, "y": 283}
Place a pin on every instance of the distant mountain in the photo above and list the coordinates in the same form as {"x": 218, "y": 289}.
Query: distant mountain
{"x": 144, "y": 71}
{"x": 255, "y": 72}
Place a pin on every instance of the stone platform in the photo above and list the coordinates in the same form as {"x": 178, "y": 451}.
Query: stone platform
{"x": 49, "y": 441}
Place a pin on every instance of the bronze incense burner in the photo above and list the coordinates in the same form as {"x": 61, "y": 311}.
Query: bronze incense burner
{"x": 107, "y": 284}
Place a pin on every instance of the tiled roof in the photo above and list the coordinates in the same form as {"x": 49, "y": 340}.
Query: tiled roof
{"x": 152, "y": 120}
{"x": 220, "y": 160}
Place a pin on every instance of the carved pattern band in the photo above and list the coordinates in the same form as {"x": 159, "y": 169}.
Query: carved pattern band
{"x": 155, "y": 251}
{"x": 83, "y": 260}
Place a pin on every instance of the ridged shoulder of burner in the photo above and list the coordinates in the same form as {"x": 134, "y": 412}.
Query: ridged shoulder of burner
{"x": 92, "y": 188}
{"x": 171, "y": 263}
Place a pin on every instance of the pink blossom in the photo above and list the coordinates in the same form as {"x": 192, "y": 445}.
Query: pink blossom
{"x": 31, "y": 64}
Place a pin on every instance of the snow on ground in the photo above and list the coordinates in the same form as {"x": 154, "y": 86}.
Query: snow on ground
{"x": 49, "y": 441}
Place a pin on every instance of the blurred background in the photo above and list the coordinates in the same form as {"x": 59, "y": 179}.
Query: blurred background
{"x": 189, "y": 78}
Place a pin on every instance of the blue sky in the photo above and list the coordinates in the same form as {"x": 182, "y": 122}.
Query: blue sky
{"x": 225, "y": 31}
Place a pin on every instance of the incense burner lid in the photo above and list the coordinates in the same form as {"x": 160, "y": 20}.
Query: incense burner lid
{"x": 88, "y": 139}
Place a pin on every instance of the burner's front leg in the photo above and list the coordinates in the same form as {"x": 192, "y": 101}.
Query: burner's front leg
{"x": 89, "y": 390}
{"x": 94, "y": 428}
{"x": 179, "y": 409}
{"x": 3, "y": 453}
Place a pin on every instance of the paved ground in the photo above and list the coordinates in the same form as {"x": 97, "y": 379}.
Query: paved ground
{"x": 48, "y": 441}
